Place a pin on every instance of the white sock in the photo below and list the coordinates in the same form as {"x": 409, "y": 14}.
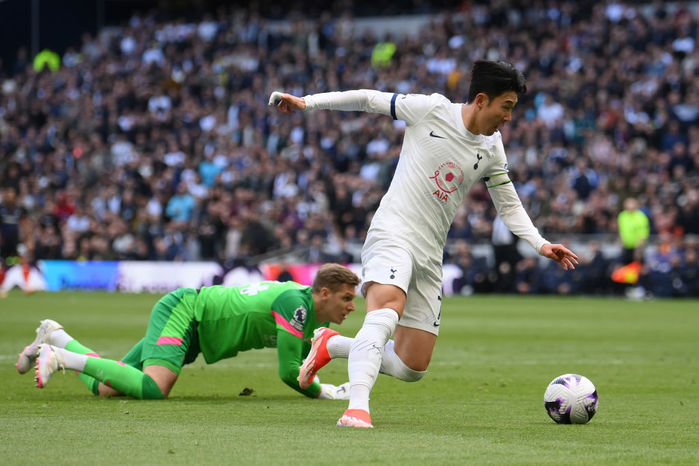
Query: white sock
{"x": 339, "y": 346}
{"x": 366, "y": 353}
{"x": 72, "y": 361}
{"x": 59, "y": 338}
{"x": 393, "y": 365}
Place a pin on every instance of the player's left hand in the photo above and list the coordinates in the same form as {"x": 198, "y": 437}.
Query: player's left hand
{"x": 331, "y": 392}
{"x": 560, "y": 254}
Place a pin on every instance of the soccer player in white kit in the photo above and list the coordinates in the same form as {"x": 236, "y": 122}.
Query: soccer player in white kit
{"x": 447, "y": 147}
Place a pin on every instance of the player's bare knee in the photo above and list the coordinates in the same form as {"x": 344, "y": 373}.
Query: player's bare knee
{"x": 414, "y": 347}
{"x": 163, "y": 380}
{"x": 163, "y": 388}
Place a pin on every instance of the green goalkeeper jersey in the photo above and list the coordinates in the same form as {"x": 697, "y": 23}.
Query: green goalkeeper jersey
{"x": 262, "y": 315}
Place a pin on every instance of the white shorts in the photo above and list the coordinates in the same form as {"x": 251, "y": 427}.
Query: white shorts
{"x": 389, "y": 264}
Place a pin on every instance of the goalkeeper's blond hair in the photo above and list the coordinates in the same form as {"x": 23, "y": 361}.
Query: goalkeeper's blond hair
{"x": 333, "y": 276}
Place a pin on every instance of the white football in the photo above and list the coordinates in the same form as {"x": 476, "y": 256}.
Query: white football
{"x": 571, "y": 399}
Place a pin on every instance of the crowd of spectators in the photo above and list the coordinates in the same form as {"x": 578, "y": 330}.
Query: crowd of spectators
{"x": 154, "y": 140}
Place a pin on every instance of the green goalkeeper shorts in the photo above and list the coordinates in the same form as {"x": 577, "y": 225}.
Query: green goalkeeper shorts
{"x": 171, "y": 339}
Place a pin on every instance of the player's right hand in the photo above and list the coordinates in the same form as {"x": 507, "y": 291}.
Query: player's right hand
{"x": 286, "y": 103}
{"x": 560, "y": 254}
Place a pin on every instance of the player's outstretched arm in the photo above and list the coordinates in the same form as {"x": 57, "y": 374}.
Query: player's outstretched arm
{"x": 290, "y": 356}
{"x": 358, "y": 100}
{"x": 289, "y": 352}
{"x": 286, "y": 103}
{"x": 560, "y": 254}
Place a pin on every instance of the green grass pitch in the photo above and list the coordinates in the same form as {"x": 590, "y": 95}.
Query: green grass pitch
{"x": 481, "y": 402}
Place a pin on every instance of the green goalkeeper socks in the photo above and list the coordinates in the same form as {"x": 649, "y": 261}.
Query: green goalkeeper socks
{"x": 124, "y": 379}
{"x": 76, "y": 347}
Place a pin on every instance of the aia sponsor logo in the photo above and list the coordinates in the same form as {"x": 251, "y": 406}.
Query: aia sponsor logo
{"x": 448, "y": 177}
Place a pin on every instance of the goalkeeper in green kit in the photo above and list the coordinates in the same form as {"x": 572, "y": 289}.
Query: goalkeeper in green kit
{"x": 218, "y": 322}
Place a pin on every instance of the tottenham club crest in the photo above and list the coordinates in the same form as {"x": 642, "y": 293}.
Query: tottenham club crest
{"x": 447, "y": 177}
{"x": 299, "y": 318}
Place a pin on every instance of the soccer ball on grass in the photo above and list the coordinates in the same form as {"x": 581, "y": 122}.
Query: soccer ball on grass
{"x": 571, "y": 399}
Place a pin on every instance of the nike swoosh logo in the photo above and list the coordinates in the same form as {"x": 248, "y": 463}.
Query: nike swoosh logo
{"x": 436, "y": 136}
{"x": 436, "y": 324}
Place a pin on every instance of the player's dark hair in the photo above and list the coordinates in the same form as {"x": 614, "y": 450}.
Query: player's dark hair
{"x": 494, "y": 78}
{"x": 333, "y": 276}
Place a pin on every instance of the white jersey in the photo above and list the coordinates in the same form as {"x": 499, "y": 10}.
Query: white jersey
{"x": 439, "y": 162}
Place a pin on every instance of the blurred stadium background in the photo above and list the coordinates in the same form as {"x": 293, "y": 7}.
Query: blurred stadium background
{"x": 137, "y": 151}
